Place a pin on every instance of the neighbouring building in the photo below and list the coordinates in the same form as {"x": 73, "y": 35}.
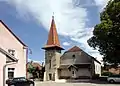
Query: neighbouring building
{"x": 74, "y": 63}
{"x": 13, "y": 55}
{"x": 111, "y": 69}
{"x": 114, "y": 70}
{"x": 38, "y": 71}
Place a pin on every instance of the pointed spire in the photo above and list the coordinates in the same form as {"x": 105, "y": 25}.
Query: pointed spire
{"x": 53, "y": 40}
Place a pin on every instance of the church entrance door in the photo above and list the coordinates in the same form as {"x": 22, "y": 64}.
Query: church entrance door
{"x": 50, "y": 76}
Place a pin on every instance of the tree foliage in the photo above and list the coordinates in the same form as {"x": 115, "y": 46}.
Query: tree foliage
{"x": 106, "y": 35}
{"x": 31, "y": 69}
{"x": 36, "y": 71}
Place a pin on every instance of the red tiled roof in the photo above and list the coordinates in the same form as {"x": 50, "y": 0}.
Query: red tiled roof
{"x": 74, "y": 49}
{"x": 34, "y": 64}
{"x": 13, "y": 34}
{"x": 53, "y": 40}
{"x": 37, "y": 65}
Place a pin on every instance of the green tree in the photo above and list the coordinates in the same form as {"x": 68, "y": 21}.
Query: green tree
{"x": 106, "y": 35}
{"x": 31, "y": 69}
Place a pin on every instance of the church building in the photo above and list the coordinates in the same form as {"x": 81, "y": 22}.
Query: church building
{"x": 72, "y": 64}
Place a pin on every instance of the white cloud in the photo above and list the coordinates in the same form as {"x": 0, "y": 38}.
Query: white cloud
{"x": 85, "y": 45}
{"x": 29, "y": 60}
{"x": 66, "y": 43}
{"x": 70, "y": 20}
{"x": 101, "y": 3}
{"x": 36, "y": 61}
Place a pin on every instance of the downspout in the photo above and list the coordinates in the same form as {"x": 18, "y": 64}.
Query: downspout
{"x": 27, "y": 52}
{"x": 26, "y": 60}
{"x": 4, "y": 71}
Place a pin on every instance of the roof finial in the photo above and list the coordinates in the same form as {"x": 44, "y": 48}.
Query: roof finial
{"x": 53, "y": 16}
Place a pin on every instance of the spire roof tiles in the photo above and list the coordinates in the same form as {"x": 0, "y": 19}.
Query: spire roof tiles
{"x": 53, "y": 40}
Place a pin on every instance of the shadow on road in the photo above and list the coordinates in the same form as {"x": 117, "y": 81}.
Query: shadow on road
{"x": 90, "y": 81}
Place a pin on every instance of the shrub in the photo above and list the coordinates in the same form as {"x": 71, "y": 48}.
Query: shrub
{"x": 107, "y": 74}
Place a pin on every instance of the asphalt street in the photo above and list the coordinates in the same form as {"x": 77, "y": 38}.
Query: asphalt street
{"x": 37, "y": 83}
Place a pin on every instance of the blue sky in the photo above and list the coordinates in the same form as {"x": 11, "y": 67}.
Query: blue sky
{"x": 30, "y": 21}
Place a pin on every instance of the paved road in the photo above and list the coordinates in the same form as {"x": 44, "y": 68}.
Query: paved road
{"x": 72, "y": 84}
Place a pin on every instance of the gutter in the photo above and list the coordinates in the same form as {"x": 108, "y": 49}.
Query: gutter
{"x": 4, "y": 70}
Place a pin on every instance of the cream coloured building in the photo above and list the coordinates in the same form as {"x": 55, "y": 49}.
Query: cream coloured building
{"x": 13, "y": 55}
{"x": 73, "y": 64}
{"x": 76, "y": 64}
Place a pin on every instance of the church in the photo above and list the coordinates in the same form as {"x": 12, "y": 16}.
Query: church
{"x": 72, "y": 64}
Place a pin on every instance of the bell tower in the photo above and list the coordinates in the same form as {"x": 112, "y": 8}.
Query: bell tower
{"x": 52, "y": 53}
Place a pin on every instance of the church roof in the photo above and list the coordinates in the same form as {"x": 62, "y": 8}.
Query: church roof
{"x": 34, "y": 64}
{"x": 53, "y": 40}
{"x": 74, "y": 49}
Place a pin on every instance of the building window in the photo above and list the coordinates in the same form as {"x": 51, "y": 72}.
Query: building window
{"x": 73, "y": 55}
{"x": 72, "y": 72}
{"x": 70, "y": 69}
{"x": 54, "y": 65}
{"x": 59, "y": 51}
{"x": 12, "y": 52}
{"x": 11, "y": 73}
{"x": 50, "y": 64}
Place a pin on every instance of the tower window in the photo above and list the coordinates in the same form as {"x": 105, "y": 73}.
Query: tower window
{"x": 49, "y": 64}
{"x": 59, "y": 51}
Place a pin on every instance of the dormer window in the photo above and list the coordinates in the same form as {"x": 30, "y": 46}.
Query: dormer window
{"x": 12, "y": 52}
